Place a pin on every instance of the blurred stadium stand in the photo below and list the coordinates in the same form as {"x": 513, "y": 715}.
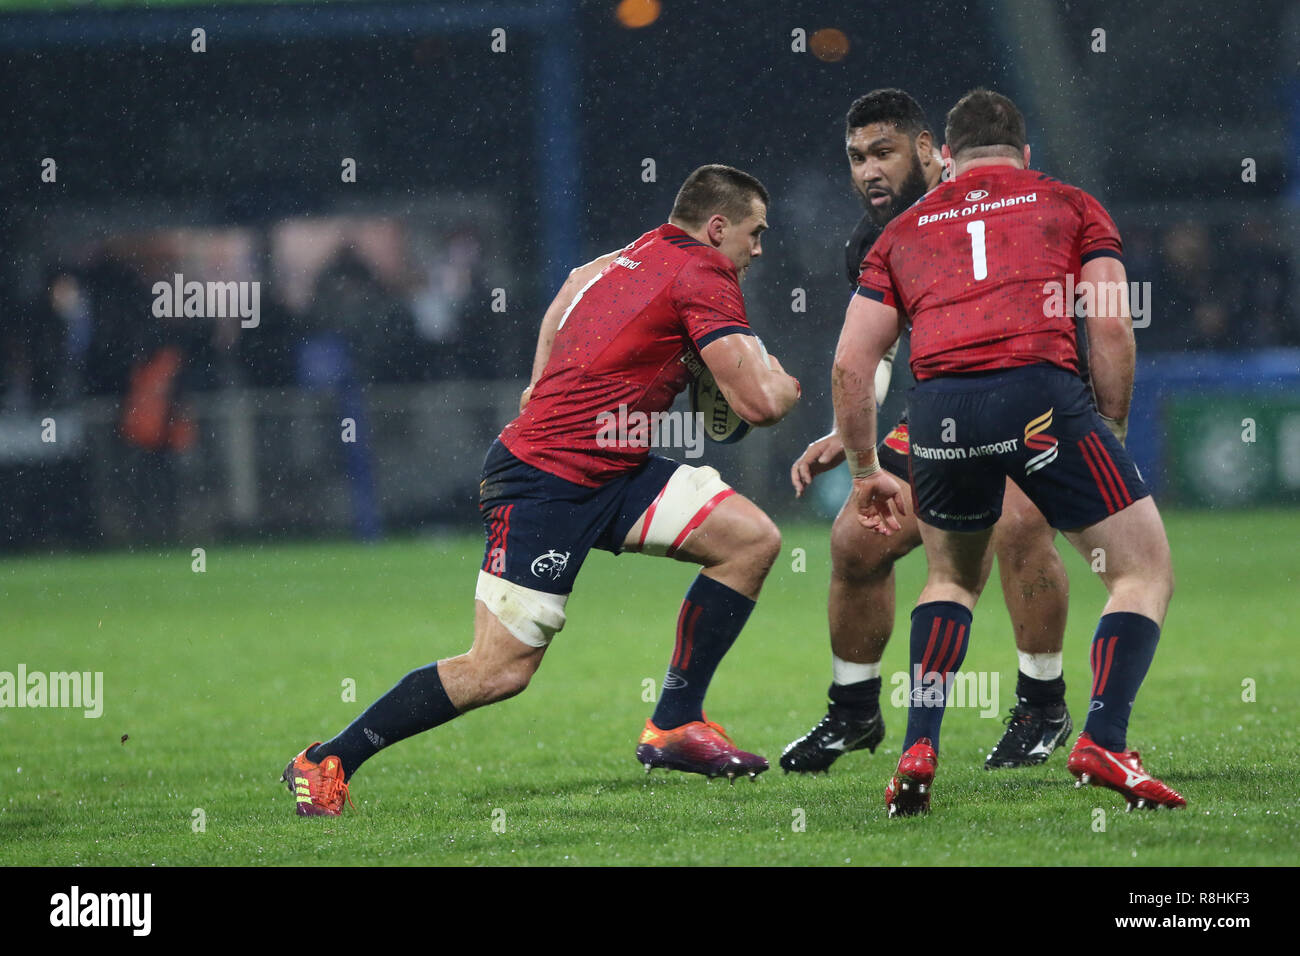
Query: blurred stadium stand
{"x": 409, "y": 300}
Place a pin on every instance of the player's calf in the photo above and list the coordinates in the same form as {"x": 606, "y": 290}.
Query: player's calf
{"x": 1131, "y": 553}
{"x": 737, "y": 544}
{"x": 861, "y": 603}
{"x": 1139, "y": 577}
{"x": 498, "y": 665}
{"x": 507, "y": 650}
{"x": 1034, "y": 581}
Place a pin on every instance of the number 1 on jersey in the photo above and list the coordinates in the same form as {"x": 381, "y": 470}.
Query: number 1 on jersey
{"x": 576, "y": 299}
{"x": 978, "y": 261}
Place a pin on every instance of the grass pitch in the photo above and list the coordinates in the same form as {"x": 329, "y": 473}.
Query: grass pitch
{"x": 213, "y": 680}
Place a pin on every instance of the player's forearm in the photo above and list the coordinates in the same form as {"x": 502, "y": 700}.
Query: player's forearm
{"x": 1112, "y": 359}
{"x": 1112, "y": 350}
{"x": 781, "y": 392}
{"x": 853, "y": 395}
{"x": 884, "y": 373}
{"x": 870, "y": 328}
{"x": 753, "y": 382}
{"x": 764, "y": 399}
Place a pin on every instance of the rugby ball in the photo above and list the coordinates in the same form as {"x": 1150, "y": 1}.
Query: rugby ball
{"x": 721, "y": 423}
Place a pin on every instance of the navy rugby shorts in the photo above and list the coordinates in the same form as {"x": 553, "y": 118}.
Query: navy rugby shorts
{"x": 540, "y": 528}
{"x": 1036, "y": 425}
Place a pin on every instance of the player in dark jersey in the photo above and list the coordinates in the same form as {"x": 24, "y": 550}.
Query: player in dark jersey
{"x": 559, "y": 482}
{"x": 973, "y": 267}
{"x": 892, "y": 163}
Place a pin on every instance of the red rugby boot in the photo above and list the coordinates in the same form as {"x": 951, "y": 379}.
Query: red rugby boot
{"x": 318, "y": 787}
{"x": 698, "y": 747}
{"x": 909, "y": 792}
{"x": 1121, "y": 772}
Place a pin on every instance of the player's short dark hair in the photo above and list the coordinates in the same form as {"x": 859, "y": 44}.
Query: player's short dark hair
{"x": 984, "y": 118}
{"x": 716, "y": 189}
{"x": 888, "y": 106}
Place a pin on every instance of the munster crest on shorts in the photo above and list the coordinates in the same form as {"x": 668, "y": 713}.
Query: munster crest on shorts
{"x": 551, "y": 563}
{"x": 1037, "y": 439}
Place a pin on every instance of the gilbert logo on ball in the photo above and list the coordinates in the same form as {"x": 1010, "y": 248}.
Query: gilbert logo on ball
{"x": 721, "y": 423}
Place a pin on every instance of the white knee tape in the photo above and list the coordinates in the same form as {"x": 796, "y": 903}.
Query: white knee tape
{"x": 686, "y": 500}
{"x": 532, "y": 616}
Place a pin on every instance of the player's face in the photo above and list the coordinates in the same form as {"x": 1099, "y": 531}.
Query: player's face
{"x": 885, "y": 170}
{"x": 741, "y": 242}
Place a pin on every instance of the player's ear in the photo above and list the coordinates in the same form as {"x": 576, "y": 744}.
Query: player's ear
{"x": 1026, "y": 155}
{"x": 716, "y": 227}
{"x": 925, "y": 148}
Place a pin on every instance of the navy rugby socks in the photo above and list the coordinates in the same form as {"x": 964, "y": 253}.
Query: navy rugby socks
{"x": 1046, "y": 694}
{"x": 709, "y": 623}
{"x": 940, "y": 635}
{"x": 416, "y": 703}
{"x": 854, "y": 700}
{"x": 1122, "y": 651}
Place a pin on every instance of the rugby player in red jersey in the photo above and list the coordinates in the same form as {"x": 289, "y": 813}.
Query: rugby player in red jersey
{"x": 892, "y": 163}
{"x": 556, "y": 484}
{"x": 999, "y": 396}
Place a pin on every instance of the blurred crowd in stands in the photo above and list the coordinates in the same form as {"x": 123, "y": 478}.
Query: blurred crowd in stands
{"x": 357, "y": 317}
{"x": 1214, "y": 288}
{"x": 91, "y": 331}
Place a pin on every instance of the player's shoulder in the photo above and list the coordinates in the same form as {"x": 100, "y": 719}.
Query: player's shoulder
{"x": 643, "y": 240}
{"x": 1072, "y": 192}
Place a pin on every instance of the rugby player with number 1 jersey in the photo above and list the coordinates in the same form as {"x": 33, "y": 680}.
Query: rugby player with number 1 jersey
{"x": 892, "y": 164}
{"x": 999, "y": 396}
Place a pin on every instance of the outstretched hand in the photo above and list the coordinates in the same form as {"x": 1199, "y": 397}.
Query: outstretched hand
{"x": 880, "y": 502}
{"x": 822, "y": 455}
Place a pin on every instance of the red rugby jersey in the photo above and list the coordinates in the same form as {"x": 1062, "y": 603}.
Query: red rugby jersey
{"x": 970, "y": 264}
{"x": 629, "y": 338}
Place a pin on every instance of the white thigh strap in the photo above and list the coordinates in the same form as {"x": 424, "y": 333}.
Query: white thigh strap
{"x": 532, "y": 616}
{"x": 681, "y": 507}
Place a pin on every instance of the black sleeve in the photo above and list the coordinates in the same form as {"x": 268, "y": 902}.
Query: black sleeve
{"x": 864, "y": 235}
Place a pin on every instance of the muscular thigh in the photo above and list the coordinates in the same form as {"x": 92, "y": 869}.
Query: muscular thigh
{"x": 1022, "y": 527}
{"x": 959, "y": 558}
{"x": 697, "y": 517}
{"x": 1132, "y": 542}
